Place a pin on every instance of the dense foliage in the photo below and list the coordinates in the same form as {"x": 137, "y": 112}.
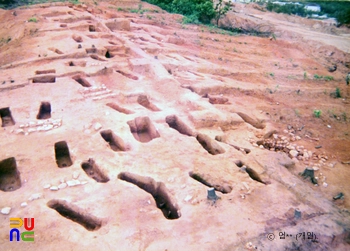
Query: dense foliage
{"x": 198, "y": 10}
{"x": 289, "y": 8}
{"x": 338, "y": 10}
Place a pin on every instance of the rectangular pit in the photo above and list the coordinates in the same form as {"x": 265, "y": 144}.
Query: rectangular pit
{"x": 75, "y": 214}
{"x": 9, "y": 175}
{"x": 6, "y": 117}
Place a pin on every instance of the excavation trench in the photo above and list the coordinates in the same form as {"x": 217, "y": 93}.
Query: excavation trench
{"x": 94, "y": 171}
{"x": 44, "y": 111}
{"x": 210, "y": 182}
{"x": 142, "y": 129}
{"x": 6, "y": 117}
{"x": 143, "y": 100}
{"x": 115, "y": 142}
{"x": 75, "y": 214}
{"x": 9, "y": 175}
{"x": 44, "y": 79}
{"x": 174, "y": 122}
{"x": 163, "y": 198}
{"x": 211, "y": 146}
{"x": 128, "y": 75}
{"x": 82, "y": 81}
{"x": 119, "y": 108}
{"x": 62, "y": 154}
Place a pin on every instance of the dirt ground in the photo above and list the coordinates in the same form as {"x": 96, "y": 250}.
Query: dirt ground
{"x": 115, "y": 124}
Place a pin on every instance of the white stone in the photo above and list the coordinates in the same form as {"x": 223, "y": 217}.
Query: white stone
{"x": 46, "y": 186}
{"x": 188, "y": 198}
{"x": 83, "y": 182}
{"x": 97, "y": 126}
{"x": 75, "y": 175}
{"x": 35, "y": 196}
{"x": 255, "y": 144}
{"x": 24, "y": 204}
{"x": 62, "y": 185}
{"x": 48, "y": 127}
{"x": 54, "y": 188}
{"x": 298, "y": 138}
{"x": 293, "y": 153}
{"x": 32, "y": 124}
{"x": 6, "y": 210}
{"x": 261, "y": 147}
{"x": 325, "y": 184}
{"x": 291, "y": 147}
{"x": 30, "y": 130}
{"x": 72, "y": 183}
{"x": 18, "y": 131}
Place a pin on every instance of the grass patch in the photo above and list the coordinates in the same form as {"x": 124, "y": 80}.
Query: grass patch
{"x": 336, "y": 93}
{"x": 317, "y": 113}
{"x": 320, "y": 77}
{"x": 33, "y": 20}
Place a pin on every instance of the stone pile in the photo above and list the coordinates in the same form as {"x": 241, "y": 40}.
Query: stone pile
{"x": 38, "y": 126}
{"x": 282, "y": 143}
{"x": 69, "y": 183}
{"x": 97, "y": 92}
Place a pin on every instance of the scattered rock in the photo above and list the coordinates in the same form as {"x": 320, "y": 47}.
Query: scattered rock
{"x": 46, "y": 186}
{"x": 54, "y": 188}
{"x": 35, "y": 196}
{"x": 293, "y": 153}
{"x": 6, "y": 210}
{"x": 188, "y": 198}
{"x": 62, "y": 185}
{"x": 24, "y": 204}
{"x": 97, "y": 126}
{"x": 72, "y": 183}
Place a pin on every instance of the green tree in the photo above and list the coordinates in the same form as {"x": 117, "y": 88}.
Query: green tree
{"x": 221, "y": 9}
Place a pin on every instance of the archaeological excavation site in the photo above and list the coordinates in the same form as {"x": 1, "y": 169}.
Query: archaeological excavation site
{"x": 125, "y": 128}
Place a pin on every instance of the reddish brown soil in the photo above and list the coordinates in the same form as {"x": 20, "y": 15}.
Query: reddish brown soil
{"x": 260, "y": 84}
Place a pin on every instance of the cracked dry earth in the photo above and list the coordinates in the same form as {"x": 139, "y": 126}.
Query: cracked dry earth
{"x": 115, "y": 125}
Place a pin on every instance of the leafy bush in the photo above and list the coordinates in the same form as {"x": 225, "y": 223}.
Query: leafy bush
{"x": 336, "y": 94}
{"x": 289, "y": 8}
{"x": 201, "y": 10}
{"x": 33, "y": 19}
{"x": 327, "y": 78}
{"x": 339, "y": 10}
{"x": 317, "y": 113}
